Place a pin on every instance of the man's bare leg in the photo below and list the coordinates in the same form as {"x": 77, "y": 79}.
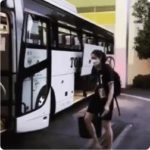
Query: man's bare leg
{"x": 88, "y": 120}
{"x": 107, "y": 138}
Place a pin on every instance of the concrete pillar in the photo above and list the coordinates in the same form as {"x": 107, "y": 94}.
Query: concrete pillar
{"x": 121, "y": 39}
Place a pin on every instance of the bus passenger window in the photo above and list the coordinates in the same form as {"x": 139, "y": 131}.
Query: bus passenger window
{"x": 36, "y": 31}
{"x": 35, "y": 35}
{"x": 105, "y": 47}
{"x": 63, "y": 37}
{"x": 72, "y": 40}
{"x": 68, "y": 39}
{"x": 75, "y": 42}
{"x": 88, "y": 39}
{"x": 100, "y": 43}
{"x": 110, "y": 49}
{"x": 84, "y": 39}
{"x": 103, "y": 44}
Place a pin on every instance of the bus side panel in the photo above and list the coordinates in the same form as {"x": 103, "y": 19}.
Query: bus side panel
{"x": 65, "y": 62}
{"x": 64, "y": 66}
{"x": 33, "y": 121}
{"x": 64, "y": 90}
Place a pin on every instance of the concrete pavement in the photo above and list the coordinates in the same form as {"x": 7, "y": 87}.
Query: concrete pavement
{"x": 131, "y": 129}
{"x": 137, "y": 113}
{"x": 145, "y": 93}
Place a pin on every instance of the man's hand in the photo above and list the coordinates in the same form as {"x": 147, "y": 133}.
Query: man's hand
{"x": 106, "y": 110}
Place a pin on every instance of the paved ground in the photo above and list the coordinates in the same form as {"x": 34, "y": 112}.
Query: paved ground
{"x": 136, "y": 112}
{"x": 63, "y": 130}
{"x": 138, "y": 92}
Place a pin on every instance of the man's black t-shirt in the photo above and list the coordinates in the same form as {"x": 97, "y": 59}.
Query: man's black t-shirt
{"x": 107, "y": 76}
{"x": 98, "y": 102}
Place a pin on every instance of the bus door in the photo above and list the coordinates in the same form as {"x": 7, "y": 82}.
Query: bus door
{"x": 6, "y": 70}
{"x": 86, "y": 62}
{"x": 33, "y": 82}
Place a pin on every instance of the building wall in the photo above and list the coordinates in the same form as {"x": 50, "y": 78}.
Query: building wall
{"x": 101, "y": 12}
{"x": 135, "y": 65}
{"x": 92, "y": 3}
{"x": 107, "y": 19}
{"x": 127, "y": 62}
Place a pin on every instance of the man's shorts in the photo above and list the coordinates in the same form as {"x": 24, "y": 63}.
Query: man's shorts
{"x": 96, "y": 106}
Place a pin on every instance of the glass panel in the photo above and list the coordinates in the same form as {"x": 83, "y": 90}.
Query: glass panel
{"x": 64, "y": 40}
{"x": 66, "y": 24}
{"x": 34, "y": 56}
{"x": 4, "y": 55}
{"x": 4, "y": 88}
{"x": 68, "y": 39}
{"x": 36, "y": 31}
{"x": 88, "y": 39}
{"x": 75, "y": 42}
{"x": 4, "y": 41}
{"x": 36, "y": 34}
{"x": 4, "y": 24}
{"x": 110, "y": 49}
{"x": 34, "y": 91}
{"x": 63, "y": 30}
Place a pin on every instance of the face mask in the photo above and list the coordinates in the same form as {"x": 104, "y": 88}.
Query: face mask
{"x": 96, "y": 62}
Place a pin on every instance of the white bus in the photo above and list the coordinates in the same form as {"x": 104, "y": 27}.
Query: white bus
{"x": 45, "y": 60}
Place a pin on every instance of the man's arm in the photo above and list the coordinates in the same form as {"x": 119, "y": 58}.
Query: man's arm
{"x": 110, "y": 94}
{"x": 110, "y": 97}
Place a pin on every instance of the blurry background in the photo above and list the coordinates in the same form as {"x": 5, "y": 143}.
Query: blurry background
{"x": 100, "y": 11}
{"x": 117, "y": 16}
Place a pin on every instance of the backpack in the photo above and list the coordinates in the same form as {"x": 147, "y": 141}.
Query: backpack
{"x": 117, "y": 84}
{"x": 117, "y": 81}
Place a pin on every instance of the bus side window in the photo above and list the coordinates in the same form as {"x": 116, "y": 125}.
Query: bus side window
{"x": 99, "y": 43}
{"x": 89, "y": 39}
{"x": 63, "y": 37}
{"x": 68, "y": 39}
{"x": 72, "y": 40}
{"x": 35, "y": 35}
{"x": 84, "y": 39}
{"x": 106, "y": 48}
{"x": 110, "y": 49}
{"x": 75, "y": 42}
{"x": 36, "y": 31}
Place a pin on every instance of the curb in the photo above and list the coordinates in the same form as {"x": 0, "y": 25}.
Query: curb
{"x": 137, "y": 97}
